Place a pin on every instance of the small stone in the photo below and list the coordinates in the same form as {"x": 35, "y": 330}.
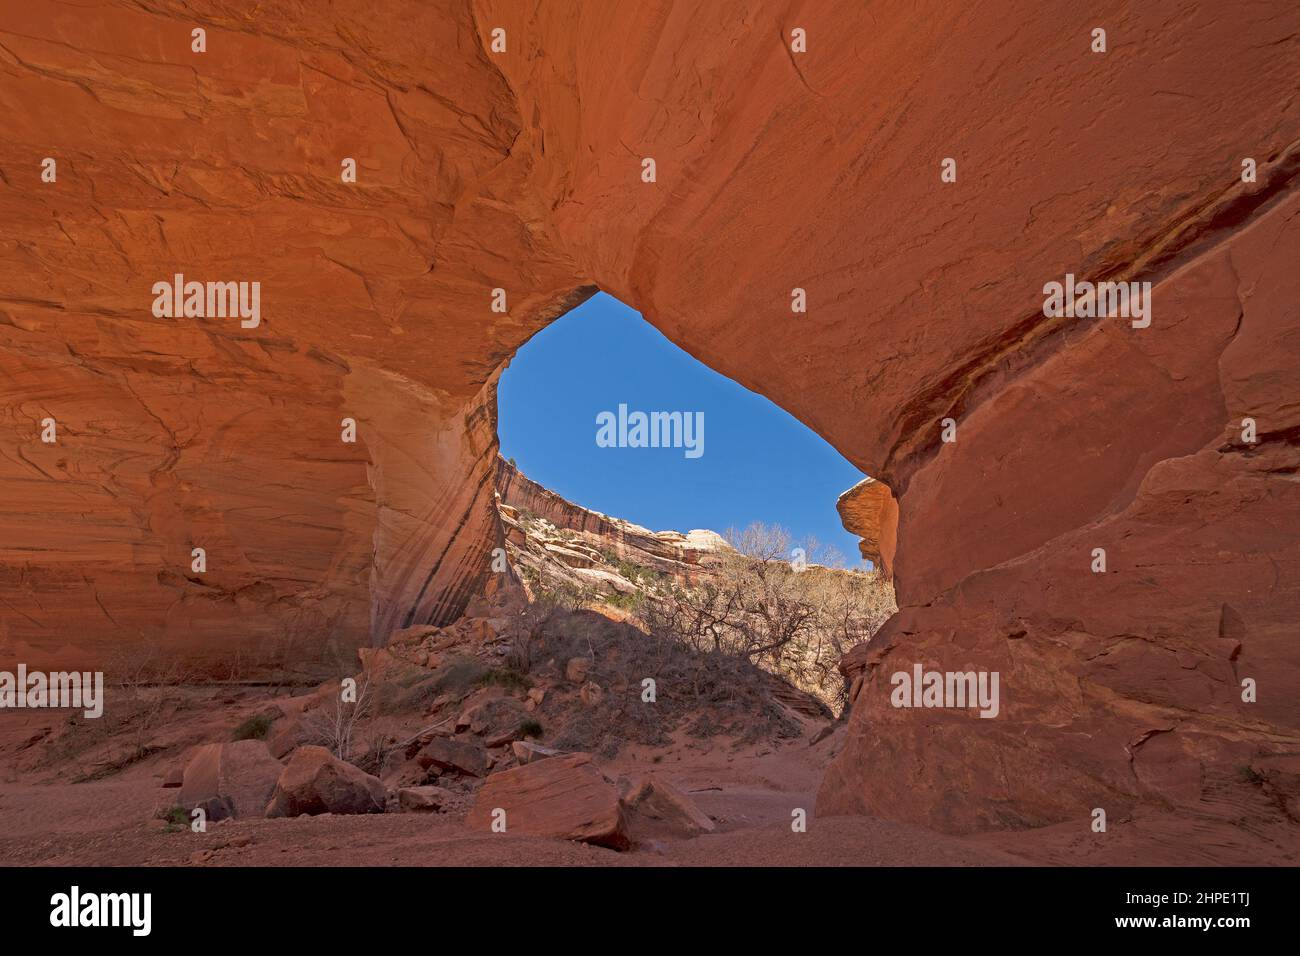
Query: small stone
{"x": 423, "y": 799}
{"x": 526, "y": 751}
{"x": 591, "y": 694}
{"x": 577, "y": 669}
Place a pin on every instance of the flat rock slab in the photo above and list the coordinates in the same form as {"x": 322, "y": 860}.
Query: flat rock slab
{"x": 175, "y": 775}
{"x": 230, "y": 780}
{"x": 526, "y": 751}
{"x": 658, "y": 809}
{"x": 563, "y": 797}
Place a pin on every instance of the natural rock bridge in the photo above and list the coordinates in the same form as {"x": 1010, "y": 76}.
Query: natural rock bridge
{"x": 522, "y": 170}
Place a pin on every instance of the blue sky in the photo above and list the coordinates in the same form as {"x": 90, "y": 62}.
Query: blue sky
{"x": 759, "y": 463}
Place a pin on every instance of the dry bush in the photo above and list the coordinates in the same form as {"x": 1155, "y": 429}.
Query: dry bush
{"x": 527, "y": 626}
{"x": 142, "y": 690}
{"x": 340, "y": 728}
{"x": 794, "y": 621}
{"x": 705, "y": 693}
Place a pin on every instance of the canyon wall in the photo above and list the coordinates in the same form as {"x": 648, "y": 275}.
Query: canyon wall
{"x": 682, "y": 557}
{"x": 775, "y": 170}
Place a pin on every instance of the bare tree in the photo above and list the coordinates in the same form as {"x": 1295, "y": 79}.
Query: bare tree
{"x": 336, "y": 730}
{"x": 794, "y": 618}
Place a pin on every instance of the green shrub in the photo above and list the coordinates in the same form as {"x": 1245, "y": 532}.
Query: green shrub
{"x": 177, "y": 817}
{"x": 638, "y": 574}
{"x": 626, "y": 602}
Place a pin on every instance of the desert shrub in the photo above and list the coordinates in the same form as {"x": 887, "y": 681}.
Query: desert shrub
{"x": 339, "y": 727}
{"x": 177, "y": 817}
{"x": 527, "y": 629}
{"x": 794, "y": 622}
{"x": 507, "y": 677}
{"x": 359, "y": 731}
{"x": 713, "y": 650}
{"x": 143, "y": 690}
{"x": 627, "y": 602}
{"x": 638, "y": 574}
{"x": 410, "y": 688}
{"x": 531, "y": 728}
{"x": 458, "y": 676}
{"x": 255, "y": 727}
{"x": 734, "y": 690}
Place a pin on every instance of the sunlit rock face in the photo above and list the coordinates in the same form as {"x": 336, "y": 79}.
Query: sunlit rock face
{"x": 553, "y": 534}
{"x": 774, "y": 171}
{"x": 869, "y": 510}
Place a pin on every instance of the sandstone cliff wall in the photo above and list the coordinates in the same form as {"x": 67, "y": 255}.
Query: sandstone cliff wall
{"x": 522, "y": 170}
{"x": 671, "y": 553}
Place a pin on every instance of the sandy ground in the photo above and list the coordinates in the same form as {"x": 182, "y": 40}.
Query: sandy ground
{"x": 48, "y": 819}
{"x": 108, "y": 823}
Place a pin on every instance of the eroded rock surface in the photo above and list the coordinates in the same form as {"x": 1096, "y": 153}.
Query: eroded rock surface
{"x": 564, "y": 797}
{"x": 229, "y": 779}
{"x": 315, "y": 781}
{"x": 558, "y": 540}
{"x": 775, "y": 170}
{"x": 869, "y": 510}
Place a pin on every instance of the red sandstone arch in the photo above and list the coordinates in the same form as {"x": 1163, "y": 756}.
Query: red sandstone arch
{"x": 522, "y": 171}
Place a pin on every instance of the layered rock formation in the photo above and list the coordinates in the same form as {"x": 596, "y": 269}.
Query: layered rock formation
{"x": 1138, "y": 601}
{"x": 561, "y": 540}
{"x": 869, "y": 510}
{"x": 775, "y": 170}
